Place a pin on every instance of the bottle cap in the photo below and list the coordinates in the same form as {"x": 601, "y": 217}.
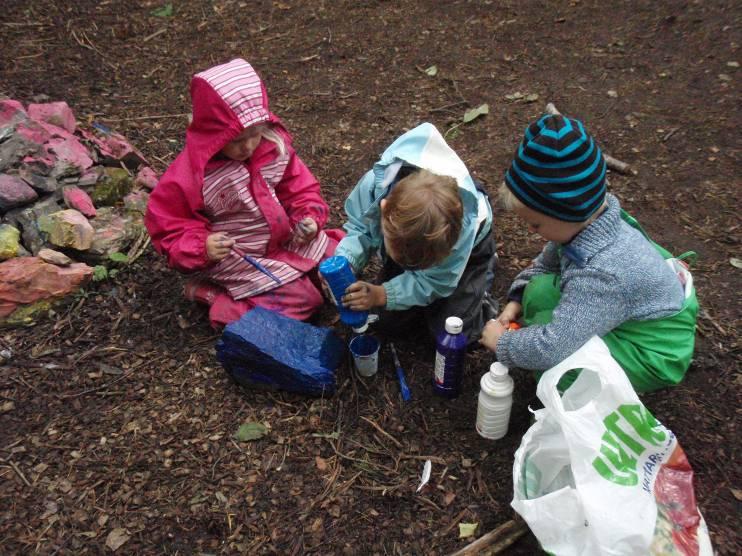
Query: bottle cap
{"x": 498, "y": 370}
{"x": 454, "y": 325}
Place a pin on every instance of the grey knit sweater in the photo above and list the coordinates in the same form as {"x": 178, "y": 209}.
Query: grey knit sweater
{"x": 609, "y": 274}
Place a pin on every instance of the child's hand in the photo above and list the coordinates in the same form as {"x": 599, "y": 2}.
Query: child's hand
{"x": 218, "y": 246}
{"x": 306, "y": 231}
{"x": 362, "y": 296}
{"x": 491, "y": 334}
{"x": 510, "y": 313}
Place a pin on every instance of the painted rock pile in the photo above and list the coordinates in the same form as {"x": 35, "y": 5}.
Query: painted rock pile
{"x": 71, "y": 203}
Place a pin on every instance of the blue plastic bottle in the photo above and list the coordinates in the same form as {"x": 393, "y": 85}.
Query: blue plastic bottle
{"x": 450, "y": 351}
{"x": 338, "y": 274}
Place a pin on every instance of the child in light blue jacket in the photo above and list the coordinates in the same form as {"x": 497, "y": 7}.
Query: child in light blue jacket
{"x": 419, "y": 209}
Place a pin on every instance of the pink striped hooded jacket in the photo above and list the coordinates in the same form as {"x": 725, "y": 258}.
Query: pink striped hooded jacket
{"x": 258, "y": 202}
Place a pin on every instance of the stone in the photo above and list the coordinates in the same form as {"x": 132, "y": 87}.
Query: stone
{"x": 11, "y": 113}
{"x": 71, "y": 152}
{"x": 76, "y": 198}
{"x": 15, "y": 149}
{"x": 136, "y": 201}
{"x": 25, "y": 219}
{"x": 146, "y": 177}
{"x": 39, "y": 182}
{"x": 67, "y": 228}
{"x": 90, "y": 176}
{"x": 114, "y": 184}
{"x": 114, "y": 232}
{"x": 54, "y": 257}
{"x": 56, "y": 113}
{"x": 28, "y": 280}
{"x": 9, "y": 241}
{"x": 114, "y": 148}
{"x": 14, "y": 192}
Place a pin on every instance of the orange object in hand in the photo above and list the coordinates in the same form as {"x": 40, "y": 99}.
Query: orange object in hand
{"x": 514, "y": 326}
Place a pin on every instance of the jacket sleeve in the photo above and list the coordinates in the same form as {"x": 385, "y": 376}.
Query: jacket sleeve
{"x": 547, "y": 261}
{"x": 177, "y": 231}
{"x": 422, "y": 287}
{"x": 363, "y": 236}
{"x": 574, "y": 321}
{"x": 299, "y": 193}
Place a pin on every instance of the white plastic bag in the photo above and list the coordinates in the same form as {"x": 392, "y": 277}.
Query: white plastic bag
{"x": 598, "y": 474}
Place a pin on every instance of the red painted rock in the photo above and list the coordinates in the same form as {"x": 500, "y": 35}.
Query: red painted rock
{"x": 56, "y": 113}
{"x": 14, "y": 192}
{"x": 27, "y": 280}
{"x": 76, "y": 198}
{"x": 67, "y": 228}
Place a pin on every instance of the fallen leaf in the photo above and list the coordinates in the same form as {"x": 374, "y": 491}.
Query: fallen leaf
{"x": 474, "y": 113}
{"x": 432, "y": 71}
{"x": 467, "y": 529}
{"x": 116, "y": 538}
{"x": 533, "y": 97}
{"x": 448, "y": 498}
{"x": 164, "y": 11}
{"x": 737, "y": 493}
{"x": 251, "y": 431}
{"x": 736, "y": 263}
{"x": 321, "y": 463}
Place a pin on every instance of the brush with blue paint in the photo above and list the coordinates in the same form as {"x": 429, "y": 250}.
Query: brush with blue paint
{"x": 404, "y": 389}
{"x": 261, "y": 268}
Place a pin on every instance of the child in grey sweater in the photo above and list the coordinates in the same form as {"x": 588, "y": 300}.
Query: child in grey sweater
{"x": 598, "y": 274}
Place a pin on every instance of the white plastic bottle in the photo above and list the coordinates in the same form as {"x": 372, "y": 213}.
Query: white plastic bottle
{"x": 495, "y": 401}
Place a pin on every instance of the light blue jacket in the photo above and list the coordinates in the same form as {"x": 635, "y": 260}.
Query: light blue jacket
{"x": 422, "y": 147}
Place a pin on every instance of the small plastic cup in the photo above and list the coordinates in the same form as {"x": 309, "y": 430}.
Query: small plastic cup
{"x": 365, "y": 352}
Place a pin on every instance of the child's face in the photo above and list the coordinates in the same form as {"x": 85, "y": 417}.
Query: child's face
{"x": 547, "y": 227}
{"x": 241, "y": 147}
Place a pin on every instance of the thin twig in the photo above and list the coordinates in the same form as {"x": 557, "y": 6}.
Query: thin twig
{"x": 496, "y": 540}
{"x": 396, "y": 442}
{"x": 18, "y": 472}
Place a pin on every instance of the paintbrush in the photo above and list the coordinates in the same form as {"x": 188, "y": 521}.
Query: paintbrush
{"x": 400, "y": 375}
{"x": 257, "y": 265}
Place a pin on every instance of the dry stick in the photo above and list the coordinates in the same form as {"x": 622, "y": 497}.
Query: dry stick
{"x": 496, "y": 540}
{"x": 382, "y": 431}
{"x": 612, "y": 163}
{"x": 18, "y": 472}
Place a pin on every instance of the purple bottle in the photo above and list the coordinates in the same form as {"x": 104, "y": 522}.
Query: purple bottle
{"x": 450, "y": 351}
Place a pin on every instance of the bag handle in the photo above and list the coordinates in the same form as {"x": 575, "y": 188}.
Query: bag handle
{"x": 592, "y": 356}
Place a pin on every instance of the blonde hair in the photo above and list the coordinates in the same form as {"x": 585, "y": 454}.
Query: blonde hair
{"x": 507, "y": 198}
{"x": 422, "y": 218}
{"x": 269, "y": 133}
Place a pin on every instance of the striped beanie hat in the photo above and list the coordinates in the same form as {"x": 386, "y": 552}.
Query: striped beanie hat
{"x": 558, "y": 170}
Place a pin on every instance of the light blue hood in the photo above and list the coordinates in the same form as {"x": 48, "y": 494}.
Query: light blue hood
{"x": 421, "y": 147}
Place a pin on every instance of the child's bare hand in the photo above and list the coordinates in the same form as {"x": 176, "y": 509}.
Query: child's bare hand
{"x": 491, "y": 334}
{"x": 306, "y": 231}
{"x": 362, "y": 296}
{"x": 510, "y": 313}
{"x": 218, "y": 246}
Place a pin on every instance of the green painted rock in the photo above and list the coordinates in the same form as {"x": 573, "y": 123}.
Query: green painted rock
{"x": 67, "y": 228}
{"x": 114, "y": 184}
{"x": 9, "y": 238}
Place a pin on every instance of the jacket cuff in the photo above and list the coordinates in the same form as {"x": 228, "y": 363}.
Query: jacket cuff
{"x": 391, "y": 296}
{"x": 503, "y": 350}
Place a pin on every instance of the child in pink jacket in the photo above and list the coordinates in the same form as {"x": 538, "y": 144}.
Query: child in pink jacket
{"x": 239, "y": 207}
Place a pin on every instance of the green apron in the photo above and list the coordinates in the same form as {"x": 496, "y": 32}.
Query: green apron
{"x": 654, "y": 353}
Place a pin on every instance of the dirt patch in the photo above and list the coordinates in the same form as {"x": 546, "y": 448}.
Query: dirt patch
{"x": 116, "y": 417}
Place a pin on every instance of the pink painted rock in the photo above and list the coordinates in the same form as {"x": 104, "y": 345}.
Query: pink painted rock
{"x": 14, "y": 192}
{"x": 27, "y": 280}
{"x": 11, "y": 112}
{"x": 55, "y": 113}
{"x": 113, "y": 147}
{"x": 67, "y": 228}
{"x": 54, "y": 257}
{"x": 76, "y": 198}
{"x": 146, "y": 177}
{"x": 71, "y": 151}
{"x": 114, "y": 232}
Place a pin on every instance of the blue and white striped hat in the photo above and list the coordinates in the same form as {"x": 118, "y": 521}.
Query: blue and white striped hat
{"x": 558, "y": 170}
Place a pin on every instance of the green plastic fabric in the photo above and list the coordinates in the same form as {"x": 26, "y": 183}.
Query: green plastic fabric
{"x": 653, "y": 353}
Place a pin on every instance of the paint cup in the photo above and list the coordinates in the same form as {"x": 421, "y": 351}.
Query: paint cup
{"x": 365, "y": 352}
